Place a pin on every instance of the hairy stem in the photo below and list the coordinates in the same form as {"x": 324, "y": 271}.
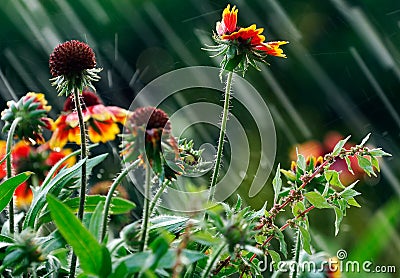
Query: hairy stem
{"x": 146, "y": 209}
{"x": 110, "y": 193}
{"x": 158, "y": 194}
{"x": 9, "y": 170}
{"x": 222, "y": 132}
{"x": 82, "y": 194}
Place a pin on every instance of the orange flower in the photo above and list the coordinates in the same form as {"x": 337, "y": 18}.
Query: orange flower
{"x": 101, "y": 120}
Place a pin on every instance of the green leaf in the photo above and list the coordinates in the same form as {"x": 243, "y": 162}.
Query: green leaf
{"x": 366, "y": 165}
{"x": 348, "y": 162}
{"x": 91, "y": 254}
{"x": 8, "y": 187}
{"x": 305, "y": 239}
{"x": 5, "y": 241}
{"x": 231, "y": 64}
{"x": 298, "y": 208}
{"x": 353, "y": 203}
{"x": 339, "y": 146}
{"x": 55, "y": 184}
{"x": 282, "y": 242}
{"x": 339, "y": 218}
{"x": 349, "y": 192}
{"x": 301, "y": 162}
{"x": 317, "y": 200}
{"x": 366, "y": 138}
{"x": 277, "y": 183}
{"x": 378, "y": 152}
{"x": 332, "y": 177}
{"x": 118, "y": 206}
{"x": 289, "y": 175}
{"x": 276, "y": 258}
{"x": 204, "y": 238}
{"x": 96, "y": 221}
{"x": 375, "y": 163}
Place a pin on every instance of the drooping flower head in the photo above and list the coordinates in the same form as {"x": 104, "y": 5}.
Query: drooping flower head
{"x": 148, "y": 136}
{"x": 73, "y": 66}
{"x": 240, "y": 46}
{"x": 38, "y": 160}
{"x": 102, "y": 121}
{"x": 31, "y": 110}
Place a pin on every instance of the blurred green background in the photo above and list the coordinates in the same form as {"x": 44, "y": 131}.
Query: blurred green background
{"x": 342, "y": 75}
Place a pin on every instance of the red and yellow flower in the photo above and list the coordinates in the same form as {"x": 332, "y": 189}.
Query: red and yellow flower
{"x": 37, "y": 160}
{"x": 249, "y": 37}
{"x": 242, "y": 45}
{"x": 102, "y": 121}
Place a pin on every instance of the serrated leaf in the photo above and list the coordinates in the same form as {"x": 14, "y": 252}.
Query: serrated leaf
{"x": 277, "y": 183}
{"x": 339, "y": 218}
{"x": 282, "y": 242}
{"x": 276, "y": 258}
{"x": 91, "y": 254}
{"x": 366, "y": 138}
{"x": 339, "y": 146}
{"x": 366, "y": 165}
{"x": 332, "y": 177}
{"x": 305, "y": 239}
{"x": 96, "y": 221}
{"x": 317, "y": 200}
{"x": 238, "y": 205}
{"x": 8, "y": 187}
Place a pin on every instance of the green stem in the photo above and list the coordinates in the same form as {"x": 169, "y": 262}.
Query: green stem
{"x": 146, "y": 208}
{"x": 160, "y": 190}
{"x": 110, "y": 193}
{"x": 82, "y": 194}
{"x": 222, "y": 132}
{"x": 212, "y": 261}
{"x": 9, "y": 169}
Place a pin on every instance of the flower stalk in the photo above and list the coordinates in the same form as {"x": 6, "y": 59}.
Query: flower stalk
{"x": 110, "y": 193}
{"x": 222, "y": 132}
{"x": 9, "y": 170}
{"x": 146, "y": 208}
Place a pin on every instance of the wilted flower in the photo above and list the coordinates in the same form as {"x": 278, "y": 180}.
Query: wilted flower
{"x": 37, "y": 160}
{"x": 148, "y": 132}
{"x": 73, "y": 66}
{"x": 240, "y": 46}
{"x": 102, "y": 121}
{"x": 31, "y": 110}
